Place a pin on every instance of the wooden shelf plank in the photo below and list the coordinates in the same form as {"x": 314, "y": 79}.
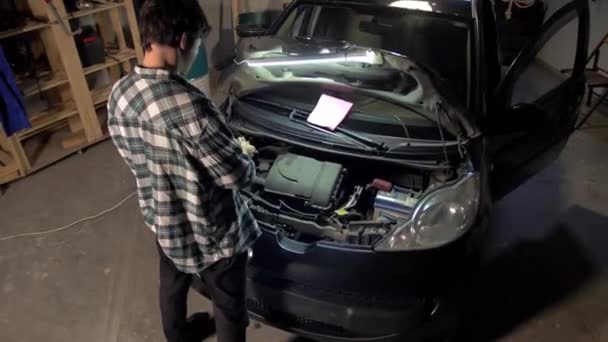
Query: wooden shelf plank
{"x": 29, "y": 27}
{"x": 5, "y": 160}
{"x": 47, "y": 118}
{"x": 75, "y": 140}
{"x": 20, "y": 78}
{"x": 9, "y": 169}
{"x": 45, "y": 83}
{"x": 53, "y": 152}
{"x": 100, "y": 95}
{"x": 9, "y": 172}
{"x": 96, "y": 9}
{"x": 112, "y": 58}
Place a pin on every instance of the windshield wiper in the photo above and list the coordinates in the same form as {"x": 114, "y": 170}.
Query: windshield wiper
{"x": 295, "y": 115}
{"x": 300, "y": 116}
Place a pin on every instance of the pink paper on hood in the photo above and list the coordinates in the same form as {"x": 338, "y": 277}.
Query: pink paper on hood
{"x": 329, "y": 112}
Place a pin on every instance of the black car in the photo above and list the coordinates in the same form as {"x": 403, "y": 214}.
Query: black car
{"x": 366, "y": 225}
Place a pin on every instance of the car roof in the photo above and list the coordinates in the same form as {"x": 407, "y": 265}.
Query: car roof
{"x": 458, "y": 8}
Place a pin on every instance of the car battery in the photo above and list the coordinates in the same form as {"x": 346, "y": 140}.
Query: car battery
{"x": 90, "y": 47}
{"x": 398, "y": 204}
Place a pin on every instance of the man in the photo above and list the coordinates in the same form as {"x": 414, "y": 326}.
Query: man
{"x": 188, "y": 168}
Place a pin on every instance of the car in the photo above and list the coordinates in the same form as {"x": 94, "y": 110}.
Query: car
{"x": 367, "y": 220}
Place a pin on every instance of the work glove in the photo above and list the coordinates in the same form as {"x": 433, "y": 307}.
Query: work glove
{"x": 246, "y": 146}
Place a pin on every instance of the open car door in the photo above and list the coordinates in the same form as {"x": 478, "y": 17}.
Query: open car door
{"x": 535, "y": 110}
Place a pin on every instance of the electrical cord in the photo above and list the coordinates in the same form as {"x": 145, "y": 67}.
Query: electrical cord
{"x": 55, "y": 230}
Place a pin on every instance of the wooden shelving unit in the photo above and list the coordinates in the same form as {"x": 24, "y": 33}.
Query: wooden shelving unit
{"x": 100, "y": 95}
{"x": 9, "y": 169}
{"x": 112, "y": 58}
{"x": 97, "y": 9}
{"x": 71, "y": 121}
{"x": 28, "y": 27}
{"x": 44, "y": 83}
{"x": 42, "y": 120}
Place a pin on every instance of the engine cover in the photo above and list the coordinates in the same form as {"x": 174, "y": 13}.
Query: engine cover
{"x": 306, "y": 178}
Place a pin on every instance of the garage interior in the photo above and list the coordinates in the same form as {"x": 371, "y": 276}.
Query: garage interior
{"x": 543, "y": 276}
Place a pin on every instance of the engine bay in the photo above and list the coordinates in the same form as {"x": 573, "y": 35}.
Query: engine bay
{"x": 314, "y": 196}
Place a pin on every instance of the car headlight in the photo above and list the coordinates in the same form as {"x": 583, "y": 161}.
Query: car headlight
{"x": 440, "y": 217}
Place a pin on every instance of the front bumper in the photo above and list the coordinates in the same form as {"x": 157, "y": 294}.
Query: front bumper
{"x": 332, "y": 293}
{"x": 337, "y": 293}
{"x": 307, "y": 314}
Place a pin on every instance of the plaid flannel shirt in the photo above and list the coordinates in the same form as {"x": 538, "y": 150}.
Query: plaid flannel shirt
{"x": 188, "y": 167}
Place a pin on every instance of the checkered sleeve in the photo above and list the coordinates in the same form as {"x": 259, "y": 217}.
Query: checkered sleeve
{"x": 220, "y": 153}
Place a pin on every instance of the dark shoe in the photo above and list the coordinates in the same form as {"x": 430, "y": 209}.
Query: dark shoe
{"x": 200, "y": 326}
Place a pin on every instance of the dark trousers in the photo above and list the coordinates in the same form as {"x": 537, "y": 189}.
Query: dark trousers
{"x": 225, "y": 283}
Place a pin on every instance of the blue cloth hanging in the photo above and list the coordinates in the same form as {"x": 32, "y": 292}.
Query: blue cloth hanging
{"x": 12, "y": 111}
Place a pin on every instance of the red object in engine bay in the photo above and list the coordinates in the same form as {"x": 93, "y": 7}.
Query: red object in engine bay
{"x": 382, "y": 185}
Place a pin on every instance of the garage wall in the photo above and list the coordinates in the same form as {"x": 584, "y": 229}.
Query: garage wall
{"x": 260, "y": 5}
{"x": 221, "y": 42}
{"x": 556, "y": 53}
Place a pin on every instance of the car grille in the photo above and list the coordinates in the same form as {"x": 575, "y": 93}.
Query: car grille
{"x": 282, "y": 319}
{"x": 362, "y": 298}
{"x": 356, "y": 298}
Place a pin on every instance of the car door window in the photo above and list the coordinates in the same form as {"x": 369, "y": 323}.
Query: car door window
{"x": 535, "y": 106}
{"x": 544, "y": 74}
{"x": 293, "y": 25}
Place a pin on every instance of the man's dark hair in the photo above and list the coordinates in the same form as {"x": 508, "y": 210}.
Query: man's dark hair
{"x": 164, "y": 21}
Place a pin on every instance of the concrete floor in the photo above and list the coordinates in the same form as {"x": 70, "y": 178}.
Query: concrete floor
{"x": 544, "y": 278}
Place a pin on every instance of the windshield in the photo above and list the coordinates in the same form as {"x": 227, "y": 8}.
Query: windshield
{"x": 438, "y": 43}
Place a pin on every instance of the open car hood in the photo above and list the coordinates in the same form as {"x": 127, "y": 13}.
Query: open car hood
{"x": 267, "y": 61}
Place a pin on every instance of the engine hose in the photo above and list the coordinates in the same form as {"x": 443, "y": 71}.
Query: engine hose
{"x": 296, "y": 210}
{"x": 259, "y": 180}
{"x": 299, "y": 225}
{"x": 257, "y": 198}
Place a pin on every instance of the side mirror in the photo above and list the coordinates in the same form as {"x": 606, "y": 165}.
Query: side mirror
{"x": 255, "y": 24}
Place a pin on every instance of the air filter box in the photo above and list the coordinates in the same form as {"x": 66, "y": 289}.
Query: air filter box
{"x": 306, "y": 178}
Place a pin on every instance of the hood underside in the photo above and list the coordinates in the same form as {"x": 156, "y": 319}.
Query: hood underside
{"x": 268, "y": 61}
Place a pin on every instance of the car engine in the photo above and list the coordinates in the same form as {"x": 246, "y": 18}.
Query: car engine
{"x": 311, "y": 199}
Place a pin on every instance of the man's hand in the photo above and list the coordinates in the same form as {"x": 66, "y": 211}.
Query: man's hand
{"x": 247, "y": 148}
